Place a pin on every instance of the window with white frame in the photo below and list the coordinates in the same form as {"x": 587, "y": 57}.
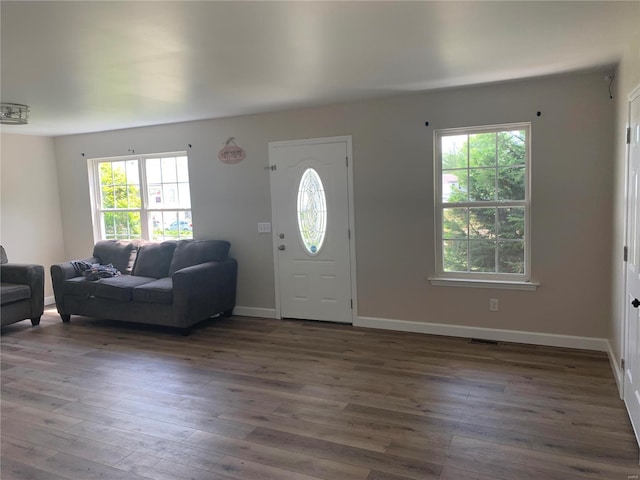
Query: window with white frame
{"x": 141, "y": 197}
{"x": 483, "y": 202}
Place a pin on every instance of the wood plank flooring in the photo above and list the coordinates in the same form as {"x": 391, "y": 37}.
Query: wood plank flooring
{"x": 259, "y": 399}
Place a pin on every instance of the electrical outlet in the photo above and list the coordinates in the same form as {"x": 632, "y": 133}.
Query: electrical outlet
{"x": 493, "y": 305}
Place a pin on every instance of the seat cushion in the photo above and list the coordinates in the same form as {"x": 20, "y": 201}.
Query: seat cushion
{"x": 160, "y": 291}
{"x": 78, "y": 286}
{"x": 118, "y": 288}
{"x": 153, "y": 259}
{"x": 12, "y": 292}
{"x": 194, "y": 252}
{"x": 119, "y": 253}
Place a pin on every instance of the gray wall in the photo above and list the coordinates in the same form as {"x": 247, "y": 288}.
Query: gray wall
{"x": 572, "y": 194}
{"x": 30, "y": 218}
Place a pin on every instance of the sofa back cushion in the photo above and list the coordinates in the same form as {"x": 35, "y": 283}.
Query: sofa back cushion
{"x": 153, "y": 259}
{"x": 3, "y": 255}
{"x": 119, "y": 253}
{"x": 194, "y": 252}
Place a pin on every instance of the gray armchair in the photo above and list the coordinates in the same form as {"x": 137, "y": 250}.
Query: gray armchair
{"x": 21, "y": 291}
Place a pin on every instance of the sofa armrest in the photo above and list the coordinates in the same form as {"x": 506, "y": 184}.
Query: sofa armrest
{"x": 65, "y": 271}
{"x": 198, "y": 278}
{"x": 61, "y": 272}
{"x": 21, "y": 273}
{"x": 205, "y": 277}
{"x": 205, "y": 289}
{"x": 27, "y": 274}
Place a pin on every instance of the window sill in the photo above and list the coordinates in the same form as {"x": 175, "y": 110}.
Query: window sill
{"x": 473, "y": 283}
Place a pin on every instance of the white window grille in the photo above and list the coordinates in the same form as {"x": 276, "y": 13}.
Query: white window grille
{"x": 141, "y": 197}
{"x": 482, "y": 177}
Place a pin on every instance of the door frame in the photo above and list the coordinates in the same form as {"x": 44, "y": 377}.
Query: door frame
{"x": 352, "y": 237}
{"x": 635, "y": 93}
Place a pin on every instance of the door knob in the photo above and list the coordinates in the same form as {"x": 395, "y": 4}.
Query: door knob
{"x": 635, "y": 303}
{"x": 280, "y": 247}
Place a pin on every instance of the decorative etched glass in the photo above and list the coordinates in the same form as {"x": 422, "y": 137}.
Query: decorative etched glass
{"x": 312, "y": 211}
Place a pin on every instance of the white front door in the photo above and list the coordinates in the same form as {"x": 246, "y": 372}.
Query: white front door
{"x": 632, "y": 294}
{"x": 311, "y": 209}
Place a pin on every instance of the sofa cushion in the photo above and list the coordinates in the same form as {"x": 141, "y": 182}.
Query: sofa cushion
{"x": 160, "y": 291}
{"x": 118, "y": 288}
{"x": 3, "y": 255}
{"x": 194, "y": 252}
{"x": 78, "y": 286}
{"x": 12, "y": 292}
{"x": 153, "y": 259}
{"x": 120, "y": 253}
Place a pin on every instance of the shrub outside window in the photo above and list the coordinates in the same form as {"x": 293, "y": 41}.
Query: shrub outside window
{"x": 142, "y": 197}
{"x": 482, "y": 202}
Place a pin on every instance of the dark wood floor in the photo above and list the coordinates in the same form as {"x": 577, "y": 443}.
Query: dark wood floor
{"x": 261, "y": 399}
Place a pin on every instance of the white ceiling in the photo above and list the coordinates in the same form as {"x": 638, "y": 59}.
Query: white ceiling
{"x": 91, "y": 66}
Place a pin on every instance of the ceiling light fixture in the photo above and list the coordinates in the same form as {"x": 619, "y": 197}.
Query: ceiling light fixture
{"x": 14, "y": 114}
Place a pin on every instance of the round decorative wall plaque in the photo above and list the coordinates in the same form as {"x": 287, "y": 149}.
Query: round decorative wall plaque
{"x": 231, "y": 153}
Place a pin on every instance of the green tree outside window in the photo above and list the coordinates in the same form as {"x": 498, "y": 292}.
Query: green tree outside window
{"x": 484, "y": 168}
{"x": 120, "y": 193}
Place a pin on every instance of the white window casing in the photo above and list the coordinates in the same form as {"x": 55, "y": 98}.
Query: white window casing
{"x": 141, "y": 197}
{"x": 483, "y": 206}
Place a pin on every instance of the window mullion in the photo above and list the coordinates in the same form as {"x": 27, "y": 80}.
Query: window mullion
{"x": 496, "y": 196}
{"x": 468, "y": 239}
{"x": 496, "y": 249}
{"x": 468, "y": 154}
{"x": 144, "y": 218}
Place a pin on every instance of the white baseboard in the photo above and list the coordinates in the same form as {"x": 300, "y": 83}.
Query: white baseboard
{"x": 255, "y": 312}
{"x": 49, "y": 300}
{"x": 618, "y": 374}
{"x": 515, "y": 336}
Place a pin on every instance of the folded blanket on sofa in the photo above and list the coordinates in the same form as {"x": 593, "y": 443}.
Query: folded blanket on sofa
{"x": 95, "y": 271}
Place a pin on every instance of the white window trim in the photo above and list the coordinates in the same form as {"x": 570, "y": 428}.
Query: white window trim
{"x": 95, "y": 191}
{"x": 476, "y": 283}
{"x": 472, "y": 279}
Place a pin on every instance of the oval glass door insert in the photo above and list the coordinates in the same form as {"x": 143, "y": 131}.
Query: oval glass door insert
{"x": 312, "y": 211}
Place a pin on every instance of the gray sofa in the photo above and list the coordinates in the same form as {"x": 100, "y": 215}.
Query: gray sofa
{"x": 173, "y": 283}
{"x": 21, "y": 291}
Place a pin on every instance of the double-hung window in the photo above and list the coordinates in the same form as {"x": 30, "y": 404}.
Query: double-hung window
{"x": 483, "y": 203}
{"x": 141, "y": 197}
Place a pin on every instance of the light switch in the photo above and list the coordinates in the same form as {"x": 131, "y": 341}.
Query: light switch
{"x": 264, "y": 227}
